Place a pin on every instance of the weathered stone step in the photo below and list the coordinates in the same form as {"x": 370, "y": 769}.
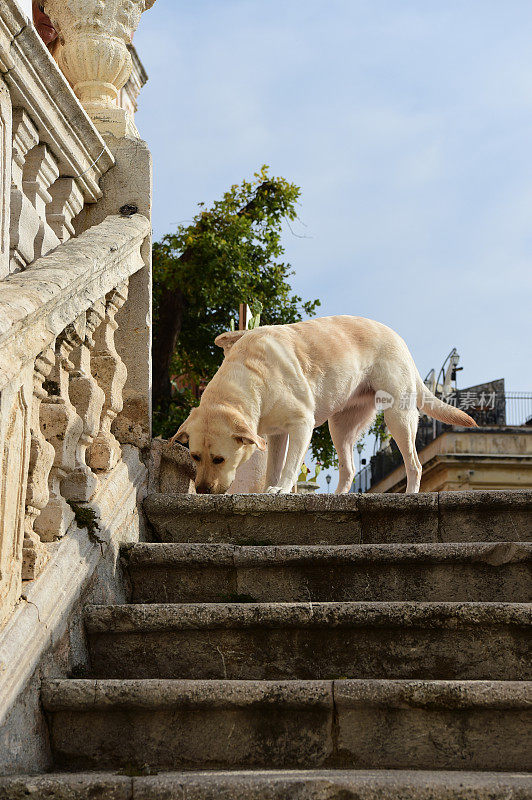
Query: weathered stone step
{"x": 474, "y": 516}
{"x": 363, "y": 724}
{"x": 200, "y": 573}
{"x": 278, "y": 641}
{"x": 272, "y": 785}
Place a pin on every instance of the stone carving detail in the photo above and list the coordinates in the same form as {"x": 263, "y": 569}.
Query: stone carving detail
{"x": 88, "y": 398}
{"x": 40, "y": 172}
{"x": 25, "y": 138}
{"x": 67, "y": 202}
{"x": 41, "y": 459}
{"x": 111, "y": 373}
{"x": 94, "y": 56}
{"x": 25, "y": 221}
{"x": 62, "y": 427}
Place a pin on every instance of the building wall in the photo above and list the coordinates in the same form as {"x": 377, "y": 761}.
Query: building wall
{"x": 472, "y": 458}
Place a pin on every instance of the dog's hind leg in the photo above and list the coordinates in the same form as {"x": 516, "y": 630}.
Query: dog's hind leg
{"x": 276, "y": 456}
{"x": 346, "y": 427}
{"x": 402, "y": 424}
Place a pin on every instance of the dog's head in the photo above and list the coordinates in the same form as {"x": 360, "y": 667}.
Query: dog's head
{"x": 219, "y": 442}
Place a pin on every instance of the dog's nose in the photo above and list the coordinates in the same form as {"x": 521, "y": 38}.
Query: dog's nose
{"x": 203, "y": 489}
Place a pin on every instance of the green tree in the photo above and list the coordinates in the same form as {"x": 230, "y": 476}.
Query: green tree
{"x": 228, "y": 254}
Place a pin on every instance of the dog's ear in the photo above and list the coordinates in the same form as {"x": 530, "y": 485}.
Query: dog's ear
{"x": 246, "y": 436}
{"x": 228, "y": 339}
{"x": 181, "y": 434}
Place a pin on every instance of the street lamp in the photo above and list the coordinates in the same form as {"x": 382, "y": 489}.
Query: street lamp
{"x": 328, "y": 479}
{"x": 360, "y": 448}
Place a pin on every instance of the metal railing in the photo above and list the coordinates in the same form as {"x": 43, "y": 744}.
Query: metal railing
{"x": 508, "y": 409}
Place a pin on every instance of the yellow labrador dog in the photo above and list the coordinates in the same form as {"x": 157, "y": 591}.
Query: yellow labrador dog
{"x": 282, "y": 381}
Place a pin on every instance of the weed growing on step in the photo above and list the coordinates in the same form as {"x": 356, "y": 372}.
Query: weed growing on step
{"x": 86, "y": 517}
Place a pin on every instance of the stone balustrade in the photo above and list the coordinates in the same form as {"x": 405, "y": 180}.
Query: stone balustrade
{"x": 61, "y": 382}
{"x": 75, "y": 337}
{"x": 51, "y": 156}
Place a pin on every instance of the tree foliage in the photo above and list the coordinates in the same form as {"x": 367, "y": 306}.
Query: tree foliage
{"x": 229, "y": 253}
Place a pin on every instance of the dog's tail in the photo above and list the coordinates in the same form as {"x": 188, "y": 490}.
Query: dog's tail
{"x": 429, "y": 404}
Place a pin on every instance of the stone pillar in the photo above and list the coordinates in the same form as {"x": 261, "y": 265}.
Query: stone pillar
{"x": 94, "y": 56}
{"x": 129, "y": 184}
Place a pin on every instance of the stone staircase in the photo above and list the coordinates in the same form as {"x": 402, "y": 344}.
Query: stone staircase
{"x": 307, "y": 648}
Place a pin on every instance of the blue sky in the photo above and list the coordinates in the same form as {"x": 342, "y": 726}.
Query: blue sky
{"x": 408, "y": 127}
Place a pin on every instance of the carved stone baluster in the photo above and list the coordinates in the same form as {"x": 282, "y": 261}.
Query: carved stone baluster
{"x": 111, "y": 373}
{"x": 67, "y": 202}
{"x": 25, "y": 138}
{"x": 62, "y": 427}
{"x": 25, "y": 222}
{"x": 89, "y": 399}
{"x": 40, "y": 172}
{"x": 42, "y": 456}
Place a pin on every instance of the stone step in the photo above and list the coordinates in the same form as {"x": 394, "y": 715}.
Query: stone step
{"x": 201, "y": 573}
{"x": 272, "y": 785}
{"x": 473, "y": 516}
{"x": 362, "y": 724}
{"x": 280, "y": 641}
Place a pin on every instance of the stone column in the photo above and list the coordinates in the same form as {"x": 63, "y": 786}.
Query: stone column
{"x": 129, "y": 184}
{"x": 94, "y": 56}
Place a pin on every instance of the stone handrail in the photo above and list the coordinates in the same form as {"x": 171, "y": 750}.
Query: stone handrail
{"x": 61, "y": 381}
{"x": 37, "y": 304}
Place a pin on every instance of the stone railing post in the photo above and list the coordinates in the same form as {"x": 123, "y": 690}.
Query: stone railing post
{"x": 88, "y": 398}
{"x": 67, "y": 201}
{"x": 94, "y": 57}
{"x": 40, "y": 172}
{"x": 42, "y": 455}
{"x": 129, "y": 183}
{"x": 25, "y": 222}
{"x": 110, "y": 373}
{"x": 62, "y": 427}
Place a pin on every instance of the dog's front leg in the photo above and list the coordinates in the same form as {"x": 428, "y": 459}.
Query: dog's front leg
{"x": 298, "y": 443}
{"x": 276, "y": 455}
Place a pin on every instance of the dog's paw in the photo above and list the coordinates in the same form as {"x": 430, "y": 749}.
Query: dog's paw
{"x": 274, "y": 490}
